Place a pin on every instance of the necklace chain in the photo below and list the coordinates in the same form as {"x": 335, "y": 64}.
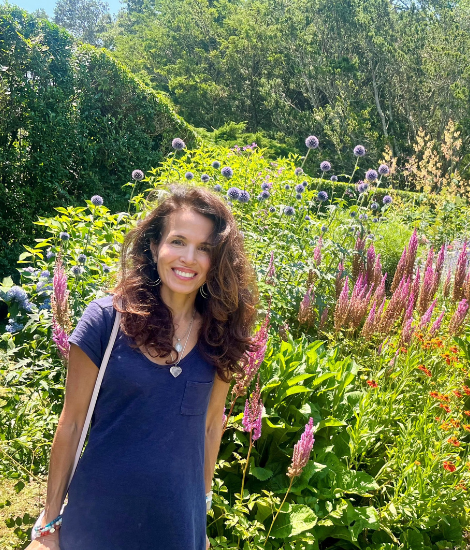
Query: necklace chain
{"x": 189, "y": 328}
{"x": 187, "y": 338}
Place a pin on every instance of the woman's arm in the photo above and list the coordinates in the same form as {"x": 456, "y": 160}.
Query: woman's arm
{"x": 214, "y": 422}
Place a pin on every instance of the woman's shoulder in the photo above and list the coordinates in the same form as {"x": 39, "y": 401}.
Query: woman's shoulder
{"x": 106, "y": 302}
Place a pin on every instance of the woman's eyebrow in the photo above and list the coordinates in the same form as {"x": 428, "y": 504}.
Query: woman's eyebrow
{"x": 184, "y": 238}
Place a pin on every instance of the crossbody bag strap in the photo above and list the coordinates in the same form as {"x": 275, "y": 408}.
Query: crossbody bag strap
{"x": 96, "y": 389}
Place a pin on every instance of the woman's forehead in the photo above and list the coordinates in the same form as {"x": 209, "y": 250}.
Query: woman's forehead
{"x": 189, "y": 224}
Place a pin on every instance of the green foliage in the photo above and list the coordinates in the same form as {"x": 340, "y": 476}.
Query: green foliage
{"x": 74, "y": 123}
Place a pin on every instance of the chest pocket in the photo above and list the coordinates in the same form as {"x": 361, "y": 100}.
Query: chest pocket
{"x": 196, "y": 397}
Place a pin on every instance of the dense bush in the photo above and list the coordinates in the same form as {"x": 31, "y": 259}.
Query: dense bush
{"x": 74, "y": 122}
{"x": 390, "y": 405}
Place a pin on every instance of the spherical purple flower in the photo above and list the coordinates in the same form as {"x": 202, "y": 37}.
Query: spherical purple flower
{"x": 217, "y": 187}
{"x": 384, "y": 170}
{"x": 216, "y": 164}
{"x": 307, "y": 218}
{"x": 374, "y": 206}
{"x": 375, "y": 220}
{"x": 96, "y": 200}
{"x": 305, "y": 184}
{"x": 387, "y": 199}
{"x": 334, "y": 178}
{"x": 298, "y": 196}
{"x": 299, "y": 188}
{"x": 312, "y": 142}
{"x": 244, "y": 196}
{"x": 82, "y": 258}
{"x": 363, "y": 216}
{"x": 233, "y": 193}
{"x": 298, "y": 171}
{"x": 289, "y": 210}
{"x": 46, "y": 273}
{"x": 265, "y": 186}
{"x": 189, "y": 176}
{"x": 17, "y": 294}
{"x": 325, "y": 166}
{"x": 359, "y": 150}
{"x": 353, "y": 214}
{"x": 322, "y": 196}
{"x": 76, "y": 270}
{"x": 324, "y": 229}
{"x": 362, "y": 187}
{"x": 50, "y": 255}
{"x": 64, "y": 236}
{"x": 205, "y": 178}
{"x": 264, "y": 195}
{"x": 137, "y": 175}
{"x": 227, "y": 172}
{"x": 272, "y": 209}
{"x": 287, "y": 186}
{"x": 106, "y": 269}
{"x": 371, "y": 175}
{"x": 178, "y": 144}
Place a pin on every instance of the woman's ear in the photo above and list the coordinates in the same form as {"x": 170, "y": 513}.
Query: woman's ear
{"x": 154, "y": 250}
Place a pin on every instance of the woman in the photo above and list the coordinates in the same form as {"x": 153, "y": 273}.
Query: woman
{"x": 188, "y": 307}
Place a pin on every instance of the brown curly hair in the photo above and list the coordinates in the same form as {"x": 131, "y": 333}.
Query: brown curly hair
{"x": 228, "y": 314}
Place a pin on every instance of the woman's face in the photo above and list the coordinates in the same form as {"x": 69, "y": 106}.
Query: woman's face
{"x": 183, "y": 255}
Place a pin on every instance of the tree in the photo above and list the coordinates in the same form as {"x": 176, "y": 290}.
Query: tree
{"x": 85, "y": 19}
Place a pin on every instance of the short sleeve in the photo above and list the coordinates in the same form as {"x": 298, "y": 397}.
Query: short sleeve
{"x": 93, "y": 330}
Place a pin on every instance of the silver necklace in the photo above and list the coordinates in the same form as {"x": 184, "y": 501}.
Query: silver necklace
{"x": 178, "y": 346}
{"x": 176, "y": 370}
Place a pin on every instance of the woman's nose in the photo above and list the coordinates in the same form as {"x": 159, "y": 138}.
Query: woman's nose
{"x": 189, "y": 255}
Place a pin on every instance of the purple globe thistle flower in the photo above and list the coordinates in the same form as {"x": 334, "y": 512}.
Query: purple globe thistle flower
{"x": 299, "y": 188}
{"x": 374, "y": 206}
{"x": 353, "y": 213}
{"x": 305, "y": 184}
{"x": 289, "y": 210}
{"x": 76, "y": 270}
{"x": 189, "y": 176}
{"x": 233, "y": 193}
{"x": 307, "y": 218}
{"x": 46, "y": 273}
{"x": 82, "y": 258}
{"x": 50, "y": 255}
{"x": 216, "y": 164}
{"x": 375, "y": 220}
{"x": 227, "y": 172}
{"x": 272, "y": 209}
{"x": 287, "y": 186}
{"x": 178, "y": 144}
{"x": 324, "y": 229}
{"x": 363, "y": 217}
{"x": 325, "y": 166}
{"x": 106, "y": 269}
{"x": 64, "y": 236}
{"x": 312, "y": 142}
{"x": 137, "y": 175}
{"x": 362, "y": 187}
{"x": 384, "y": 170}
{"x": 334, "y": 178}
{"x": 205, "y": 178}
{"x": 264, "y": 195}
{"x": 265, "y": 186}
{"x": 387, "y": 199}
{"x": 322, "y": 196}
{"x": 298, "y": 196}
{"x": 217, "y": 187}
{"x": 244, "y": 196}
{"x": 96, "y": 200}
{"x": 371, "y": 175}
{"x": 298, "y": 171}
{"x": 359, "y": 151}
{"x": 17, "y": 294}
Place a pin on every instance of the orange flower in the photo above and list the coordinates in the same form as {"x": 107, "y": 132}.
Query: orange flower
{"x": 461, "y": 486}
{"x": 457, "y": 393}
{"x": 434, "y": 394}
{"x": 403, "y": 350}
{"x": 372, "y": 383}
{"x": 467, "y": 413}
{"x": 466, "y": 427}
{"x": 426, "y": 371}
{"x": 454, "y": 441}
{"x": 445, "y": 407}
{"x": 455, "y": 423}
{"x": 445, "y": 398}
{"x": 449, "y": 466}
{"x": 454, "y": 349}
{"x": 445, "y": 426}
{"x": 466, "y": 389}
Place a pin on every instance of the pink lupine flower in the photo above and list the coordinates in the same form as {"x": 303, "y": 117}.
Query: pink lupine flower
{"x": 426, "y": 318}
{"x": 302, "y": 450}
{"x": 447, "y": 284}
{"x": 306, "y": 311}
{"x": 358, "y": 262}
{"x": 429, "y": 259}
{"x": 410, "y": 308}
{"x": 458, "y": 318}
{"x": 342, "y": 306}
{"x": 323, "y": 319}
{"x": 407, "y": 332}
{"x": 59, "y": 298}
{"x": 378, "y": 271}
{"x": 425, "y": 295}
{"x": 253, "y": 413}
{"x": 460, "y": 274}
{"x": 339, "y": 279}
{"x": 359, "y": 302}
{"x": 399, "y": 271}
{"x": 416, "y": 286}
{"x": 271, "y": 271}
{"x": 317, "y": 252}
{"x": 60, "y": 338}
{"x": 380, "y": 292}
{"x": 436, "y": 325}
{"x": 367, "y": 329}
{"x": 370, "y": 264}
{"x": 411, "y": 254}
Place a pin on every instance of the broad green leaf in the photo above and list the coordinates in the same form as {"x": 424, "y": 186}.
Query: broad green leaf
{"x": 296, "y": 520}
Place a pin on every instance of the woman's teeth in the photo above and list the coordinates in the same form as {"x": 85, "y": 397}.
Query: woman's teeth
{"x": 184, "y": 274}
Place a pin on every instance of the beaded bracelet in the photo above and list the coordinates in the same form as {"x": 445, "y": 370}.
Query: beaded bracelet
{"x": 50, "y": 527}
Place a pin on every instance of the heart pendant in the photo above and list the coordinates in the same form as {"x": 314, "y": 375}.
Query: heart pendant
{"x": 176, "y": 371}
{"x": 178, "y": 347}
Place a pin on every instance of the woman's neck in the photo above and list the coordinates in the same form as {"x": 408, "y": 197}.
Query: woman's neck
{"x": 180, "y": 305}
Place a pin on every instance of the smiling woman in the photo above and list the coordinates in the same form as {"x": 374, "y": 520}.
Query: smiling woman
{"x": 186, "y": 295}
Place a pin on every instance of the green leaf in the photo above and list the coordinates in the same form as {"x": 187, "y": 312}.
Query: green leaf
{"x": 19, "y": 487}
{"x": 330, "y": 422}
{"x": 297, "y": 520}
{"x": 261, "y": 473}
{"x": 293, "y": 391}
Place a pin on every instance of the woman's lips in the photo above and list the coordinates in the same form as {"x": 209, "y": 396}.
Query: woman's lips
{"x": 188, "y": 274}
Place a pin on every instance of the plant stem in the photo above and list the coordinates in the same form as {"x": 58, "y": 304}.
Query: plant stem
{"x": 277, "y": 513}
{"x": 246, "y": 466}
{"x": 229, "y": 414}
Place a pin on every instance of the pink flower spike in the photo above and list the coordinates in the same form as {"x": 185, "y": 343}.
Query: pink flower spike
{"x": 271, "y": 271}
{"x": 436, "y": 325}
{"x": 302, "y": 450}
{"x": 458, "y": 318}
{"x": 60, "y": 338}
{"x": 253, "y": 413}
{"x": 317, "y": 252}
{"x": 426, "y": 318}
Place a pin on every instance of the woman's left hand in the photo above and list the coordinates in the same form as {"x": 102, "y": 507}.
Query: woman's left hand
{"x": 207, "y": 542}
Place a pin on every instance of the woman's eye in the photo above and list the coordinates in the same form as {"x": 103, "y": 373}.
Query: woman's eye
{"x": 176, "y": 241}
{"x": 204, "y": 248}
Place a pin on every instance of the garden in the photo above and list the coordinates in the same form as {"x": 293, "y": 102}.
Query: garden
{"x": 350, "y": 425}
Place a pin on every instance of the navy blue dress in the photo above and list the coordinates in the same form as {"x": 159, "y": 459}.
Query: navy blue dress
{"x": 140, "y": 482}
